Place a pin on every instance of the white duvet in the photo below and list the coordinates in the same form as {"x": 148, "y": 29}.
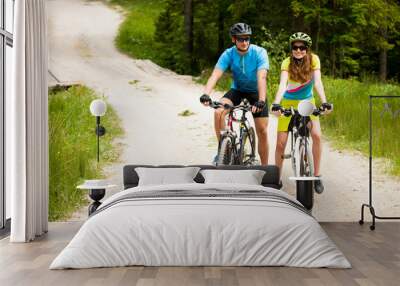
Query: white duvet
{"x": 187, "y": 231}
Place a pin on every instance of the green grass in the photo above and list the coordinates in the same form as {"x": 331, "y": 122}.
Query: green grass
{"x": 136, "y": 34}
{"x": 73, "y": 147}
{"x": 186, "y": 113}
{"x": 222, "y": 85}
{"x": 347, "y": 126}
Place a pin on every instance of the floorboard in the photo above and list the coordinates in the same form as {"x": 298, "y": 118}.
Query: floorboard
{"x": 374, "y": 255}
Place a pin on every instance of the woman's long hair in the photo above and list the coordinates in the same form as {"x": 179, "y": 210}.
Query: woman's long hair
{"x": 300, "y": 70}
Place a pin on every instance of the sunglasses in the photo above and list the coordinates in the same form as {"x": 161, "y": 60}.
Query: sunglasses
{"x": 241, "y": 40}
{"x": 302, "y": 48}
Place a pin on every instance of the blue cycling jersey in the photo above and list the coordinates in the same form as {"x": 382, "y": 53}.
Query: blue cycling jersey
{"x": 244, "y": 67}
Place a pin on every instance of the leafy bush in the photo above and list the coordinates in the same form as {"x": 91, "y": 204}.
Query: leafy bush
{"x": 136, "y": 34}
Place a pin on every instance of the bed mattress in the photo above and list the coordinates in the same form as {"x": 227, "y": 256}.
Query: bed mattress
{"x": 201, "y": 225}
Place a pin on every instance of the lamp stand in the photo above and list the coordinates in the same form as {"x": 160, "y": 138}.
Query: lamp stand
{"x": 98, "y": 137}
{"x": 100, "y": 131}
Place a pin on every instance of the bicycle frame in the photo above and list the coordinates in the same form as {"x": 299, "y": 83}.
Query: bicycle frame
{"x": 229, "y": 131}
{"x": 244, "y": 127}
{"x": 300, "y": 134}
{"x": 302, "y": 166}
{"x": 302, "y": 159}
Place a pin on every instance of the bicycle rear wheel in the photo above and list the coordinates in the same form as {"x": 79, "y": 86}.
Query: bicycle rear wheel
{"x": 247, "y": 148}
{"x": 225, "y": 153}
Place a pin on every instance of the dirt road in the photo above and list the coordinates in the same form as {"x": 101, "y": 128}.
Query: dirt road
{"x": 148, "y": 99}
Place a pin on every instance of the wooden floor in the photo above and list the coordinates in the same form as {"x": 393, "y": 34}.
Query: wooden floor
{"x": 374, "y": 255}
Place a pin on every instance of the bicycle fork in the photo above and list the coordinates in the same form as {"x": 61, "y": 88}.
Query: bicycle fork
{"x": 290, "y": 155}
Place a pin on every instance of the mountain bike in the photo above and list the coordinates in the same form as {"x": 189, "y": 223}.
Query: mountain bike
{"x": 300, "y": 150}
{"x": 234, "y": 149}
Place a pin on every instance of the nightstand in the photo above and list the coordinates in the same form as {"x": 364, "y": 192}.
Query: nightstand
{"x": 97, "y": 190}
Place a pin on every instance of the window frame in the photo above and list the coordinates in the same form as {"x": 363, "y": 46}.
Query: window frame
{"x": 6, "y": 39}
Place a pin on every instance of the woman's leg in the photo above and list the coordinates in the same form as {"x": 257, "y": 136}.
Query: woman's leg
{"x": 281, "y": 140}
{"x": 317, "y": 146}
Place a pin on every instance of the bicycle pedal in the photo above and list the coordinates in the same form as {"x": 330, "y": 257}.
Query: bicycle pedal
{"x": 286, "y": 156}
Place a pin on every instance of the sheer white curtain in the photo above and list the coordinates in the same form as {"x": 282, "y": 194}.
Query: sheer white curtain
{"x": 27, "y": 123}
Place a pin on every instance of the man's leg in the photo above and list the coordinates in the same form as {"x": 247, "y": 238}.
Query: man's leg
{"x": 262, "y": 135}
{"x": 219, "y": 117}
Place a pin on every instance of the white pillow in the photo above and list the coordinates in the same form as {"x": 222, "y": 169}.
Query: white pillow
{"x": 248, "y": 177}
{"x": 163, "y": 176}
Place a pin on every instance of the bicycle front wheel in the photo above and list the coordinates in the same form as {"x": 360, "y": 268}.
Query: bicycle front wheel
{"x": 303, "y": 159}
{"x": 225, "y": 153}
{"x": 305, "y": 193}
{"x": 247, "y": 148}
{"x": 304, "y": 168}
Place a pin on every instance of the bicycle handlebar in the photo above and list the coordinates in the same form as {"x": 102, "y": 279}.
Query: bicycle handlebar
{"x": 291, "y": 111}
{"x": 216, "y": 104}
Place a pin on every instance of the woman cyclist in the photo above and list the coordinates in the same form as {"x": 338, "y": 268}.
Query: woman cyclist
{"x": 300, "y": 74}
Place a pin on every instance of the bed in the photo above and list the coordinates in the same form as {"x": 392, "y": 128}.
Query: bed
{"x": 201, "y": 224}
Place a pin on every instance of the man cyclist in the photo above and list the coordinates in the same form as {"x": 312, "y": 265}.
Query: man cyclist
{"x": 249, "y": 65}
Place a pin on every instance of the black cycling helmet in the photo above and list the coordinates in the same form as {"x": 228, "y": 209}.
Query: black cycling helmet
{"x": 240, "y": 29}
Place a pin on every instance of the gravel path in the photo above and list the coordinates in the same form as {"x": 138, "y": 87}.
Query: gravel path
{"x": 148, "y": 99}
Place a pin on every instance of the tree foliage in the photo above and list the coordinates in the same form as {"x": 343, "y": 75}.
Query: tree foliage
{"x": 354, "y": 38}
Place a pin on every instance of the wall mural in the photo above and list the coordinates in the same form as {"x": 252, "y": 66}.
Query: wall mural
{"x": 150, "y": 62}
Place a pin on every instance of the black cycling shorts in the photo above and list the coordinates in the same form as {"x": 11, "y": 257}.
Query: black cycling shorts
{"x": 237, "y": 96}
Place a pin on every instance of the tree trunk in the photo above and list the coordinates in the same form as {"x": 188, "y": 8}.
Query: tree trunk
{"x": 341, "y": 60}
{"x": 383, "y": 57}
{"x": 221, "y": 31}
{"x": 188, "y": 22}
{"x": 332, "y": 51}
{"x": 318, "y": 29}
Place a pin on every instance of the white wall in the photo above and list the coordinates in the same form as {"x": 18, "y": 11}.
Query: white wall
{"x": 9, "y": 13}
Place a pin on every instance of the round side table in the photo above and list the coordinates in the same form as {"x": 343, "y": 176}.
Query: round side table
{"x": 96, "y": 193}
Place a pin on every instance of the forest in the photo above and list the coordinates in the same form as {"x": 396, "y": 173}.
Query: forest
{"x": 353, "y": 38}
